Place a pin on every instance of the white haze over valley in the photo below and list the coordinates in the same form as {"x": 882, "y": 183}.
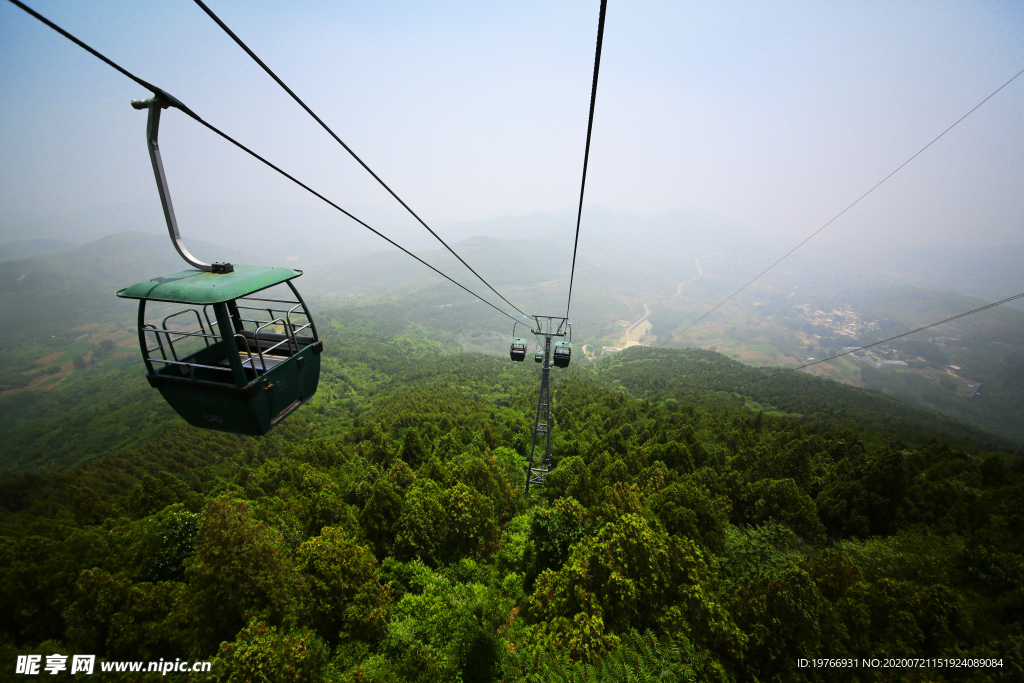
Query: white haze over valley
{"x": 774, "y": 117}
{"x": 734, "y": 128}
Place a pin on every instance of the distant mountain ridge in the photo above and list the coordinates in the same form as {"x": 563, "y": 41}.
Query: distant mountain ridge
{"x": 48, "y": 294}
{"x": 12, "y": 251}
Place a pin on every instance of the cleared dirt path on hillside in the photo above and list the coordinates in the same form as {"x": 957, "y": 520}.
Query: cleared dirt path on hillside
{"x": 626, "y": 340}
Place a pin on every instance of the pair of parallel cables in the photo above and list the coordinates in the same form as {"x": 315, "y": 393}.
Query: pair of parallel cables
{"x": 597, "y": 63}
{"x": 586, "y": 153}
{"x": 833, "y": 220}
{"x": 583, "y": 184}
{"x": 171, "y": 101}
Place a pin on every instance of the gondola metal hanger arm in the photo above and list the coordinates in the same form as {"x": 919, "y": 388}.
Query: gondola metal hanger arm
{"x": 162, "y": 100}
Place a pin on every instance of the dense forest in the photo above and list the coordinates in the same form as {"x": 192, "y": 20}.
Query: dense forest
{"x": 382, "y": 533}
{"x": 706, "y": 378}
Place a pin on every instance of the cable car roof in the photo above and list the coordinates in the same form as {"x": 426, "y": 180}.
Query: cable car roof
{"x": 199, "y": 287}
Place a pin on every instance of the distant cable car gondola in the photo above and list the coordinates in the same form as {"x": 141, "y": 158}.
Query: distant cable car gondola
{"x": 562, "y": 352}
{"x": 235, "y": 372}
{"x": 517, "y": 351}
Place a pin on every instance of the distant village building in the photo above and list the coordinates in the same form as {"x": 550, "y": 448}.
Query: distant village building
{"x": 880, "y": 363}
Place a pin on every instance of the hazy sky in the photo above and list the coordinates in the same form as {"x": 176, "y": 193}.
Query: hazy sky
{"x": 776, "y": 115}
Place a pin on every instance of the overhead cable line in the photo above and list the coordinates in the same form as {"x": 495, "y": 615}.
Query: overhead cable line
{"x": 357, "y": 220}
{"x": 586, "y": 153}
{"x": 172, "y": 101}
{"x": 837, "y": 216}
{"x": 905, "y": 334}
{"x": 347, "y": 148}
{"x": 152, "y": 88}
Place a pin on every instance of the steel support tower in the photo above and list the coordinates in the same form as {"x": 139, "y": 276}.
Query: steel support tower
{"x": 540, "y": 464}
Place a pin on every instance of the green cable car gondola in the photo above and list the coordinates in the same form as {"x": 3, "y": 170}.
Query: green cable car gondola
{"x": 242, "y": 376}
{"x": 235, "y": 371}
{"x": 561, "y": 353}
{"x": 517, "y": 351}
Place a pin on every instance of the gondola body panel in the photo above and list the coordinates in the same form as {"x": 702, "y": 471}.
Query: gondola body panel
{"x": 241, "y": 380}
{"x": 517, "y": 351}
{"x": 253, "y": 409}
{"x": 561, "y": 354}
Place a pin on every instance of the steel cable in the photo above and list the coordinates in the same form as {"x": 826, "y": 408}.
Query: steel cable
{"x": 586, "y": 153}
{"x": 172, "y": 101}
{"x": 348, "y": 149}
{"x": 898, "y": 336}
{"x": 837, "y": 216}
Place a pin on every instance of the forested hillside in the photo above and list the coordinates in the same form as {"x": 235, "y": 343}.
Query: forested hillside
{"x": 766, "y": 463}
{"x": 706, "y": 378}
{"x": 381, "y": 533}
{"x": 49, "y": 294}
